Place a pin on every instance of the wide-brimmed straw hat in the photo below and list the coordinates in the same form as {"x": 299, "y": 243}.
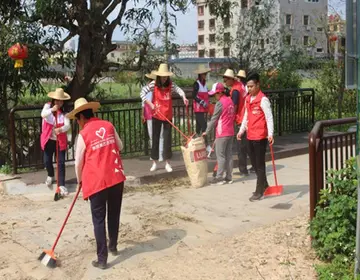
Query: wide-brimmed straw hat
{"x": 202, "y": 69}
{"x": 59, "y": 94}
{"x": 241, "y": 74}
{"x": 82, "y": 104}
{"x": 163, "y": 71}
{"x": 151, "y": 75}
{"x": 229, "y": 74}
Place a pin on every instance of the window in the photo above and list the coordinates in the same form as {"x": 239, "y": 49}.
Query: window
{"x": 201, "y": 39}
{"x": 288, "y": 40}
{"x": 288, "y": 19}
{"x": 201, "y": 25}
{"x": 226, "y": 52}
{"x": 200, "y": 10}
{"x": 312, "y": 1}
{"x": 212, "y": 23}
{"x": 226, "y": 22}
{"x": 319, "y": 50}
{"x": 306, "y": 20}
{"x": 244, "y": 4}
{"x": 227, "y": 37}
{"x": 306, "y": 40}
{"x": 319, "y": 29}
{"x": 201, "y": 53}
{"x": 267, "y": 41}
{"x": 262, "y": 44}
{"x": 212, "y": 9}
{"x": 118, "y": 60}
{"x": 257, "y": 2}
{"x": 212, "y": 53}
{"x": 212, "y": 38}
{"x": 112, "y": 55}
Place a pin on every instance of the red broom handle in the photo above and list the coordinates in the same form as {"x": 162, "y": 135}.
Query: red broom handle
{"x": 273, "y": 163}
{"x": 57, "y": 153}
{"x": 188, "y": 119}
{"x": 66, "y": 219}
{"x": 174, "y": 126}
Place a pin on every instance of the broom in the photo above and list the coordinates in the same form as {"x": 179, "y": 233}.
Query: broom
{"x": 277, "y": 189}
{"x": 57, "y": 195}
{"x": 47, "y": 257}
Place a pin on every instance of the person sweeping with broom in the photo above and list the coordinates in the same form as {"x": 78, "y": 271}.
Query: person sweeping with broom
{"x": 161, "y": 104}
{"x": 259, "y": 124}
{"x": 53, "y": 138}
{"x": 100, "y": 174}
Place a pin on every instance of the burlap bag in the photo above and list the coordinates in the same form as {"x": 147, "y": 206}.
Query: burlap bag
{"x": 195, "y": 158}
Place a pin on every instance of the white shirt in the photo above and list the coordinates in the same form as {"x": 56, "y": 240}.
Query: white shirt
{"x": 49, "y": 117}
{"x": 80, "y": 153}
{"x": 266, "y": 107}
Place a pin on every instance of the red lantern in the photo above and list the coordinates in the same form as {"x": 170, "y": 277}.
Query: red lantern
{"x": 18, "y": 53}
{"x": 333, "y": 38}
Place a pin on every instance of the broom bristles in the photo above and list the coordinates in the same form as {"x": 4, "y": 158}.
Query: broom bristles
{"x": 48, "y": 259}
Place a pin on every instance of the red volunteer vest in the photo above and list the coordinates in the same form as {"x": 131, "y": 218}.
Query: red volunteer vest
{"x": 225, "y": 124}
{"x": 46, "y": 131}
{"x": 163, "y": 102}
{"x": 102, "y": 162}
{"x": 257, "y": 127}
{"x": 241, "y": 101}
{"x": 203, "y": 95}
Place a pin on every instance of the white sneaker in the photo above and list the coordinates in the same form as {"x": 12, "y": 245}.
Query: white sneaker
{"x": 168, "y": 167}
{"x": 153, "y": 167}
{"x": 49, "y": 181}
{"x": 208, "y": 149}
{"x": 63, "y": 190}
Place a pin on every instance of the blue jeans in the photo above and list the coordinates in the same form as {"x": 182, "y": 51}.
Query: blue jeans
{"x": 49, "y": 151}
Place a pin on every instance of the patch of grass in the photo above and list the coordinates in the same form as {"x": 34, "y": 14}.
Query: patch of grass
{"x": 5, "y": 169}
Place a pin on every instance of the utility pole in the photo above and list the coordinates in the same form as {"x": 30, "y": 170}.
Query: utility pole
{"x": 166, "y": 29}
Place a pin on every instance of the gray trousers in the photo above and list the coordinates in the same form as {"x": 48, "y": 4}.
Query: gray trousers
{"x": 223, "y": 149}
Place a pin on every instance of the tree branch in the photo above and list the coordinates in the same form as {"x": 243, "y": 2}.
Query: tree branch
{"x": 110, "y": 7}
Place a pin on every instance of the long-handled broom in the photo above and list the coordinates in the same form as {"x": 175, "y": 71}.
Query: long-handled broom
{"x": 277, "y": 189}
{"x": 57, "y": 195}
{"x": 47, "y": 257}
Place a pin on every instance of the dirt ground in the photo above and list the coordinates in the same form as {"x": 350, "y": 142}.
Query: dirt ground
{"x": 162, "y": 236}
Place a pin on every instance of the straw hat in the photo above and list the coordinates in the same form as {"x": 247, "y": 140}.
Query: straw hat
{"x": 59, "y": 94}
{"x": 229, "y": 73}
{"x": 81, "y": 104}
{"x": 202, "y": 69}
{"x": 241, "y": 74}
{"x": 163, "y": 71}
{"x": 151, "y": 76}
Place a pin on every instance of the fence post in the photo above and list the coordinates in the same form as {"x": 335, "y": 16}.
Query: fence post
{"x": 280, "y": 112}
{"x": 312, "y": 174}
{"x": 13, "y": 140}
{"x": 313, "y": 106}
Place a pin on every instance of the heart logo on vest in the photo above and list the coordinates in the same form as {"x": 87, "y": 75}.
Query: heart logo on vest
{"x": 101, "y": 133}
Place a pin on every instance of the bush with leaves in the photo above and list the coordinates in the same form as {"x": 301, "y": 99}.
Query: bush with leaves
{"x": 333, "y": 229}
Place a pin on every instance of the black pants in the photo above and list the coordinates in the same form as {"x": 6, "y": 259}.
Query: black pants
{"x": 156, "y": 130}
{"x": 201, "y": 124}
{"x": 242, "y": 152}
{"x": 257, "y": 150}
{"x": 113, "y": 198}
{"x": 50, "y": 149}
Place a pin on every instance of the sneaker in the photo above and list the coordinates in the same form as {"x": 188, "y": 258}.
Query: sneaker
{"x": 208, "y": 149}
{"x": 244, "y": 173}
{"x": 63, "y": 190}
{"x": 153, "y": 167}
{"x": 99, "y": 265}
{"x": 256, "y": 197}
{"x": 113, "y": 252}
{"x": 168, "y": 167}
{"x": 217, "y": 181}
{"x": 228, "y": 181}
{"x": 214, "y": 174}
{"x": 49, "y": 181}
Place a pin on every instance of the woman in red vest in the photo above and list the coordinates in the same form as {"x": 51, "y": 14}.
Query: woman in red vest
{"x": 201, "y": 101}
{"x": 258, "y": 121}
{"x": 161, "y": 104}
{"x": 100, "y": 173}
{"x": 54, "y": 128}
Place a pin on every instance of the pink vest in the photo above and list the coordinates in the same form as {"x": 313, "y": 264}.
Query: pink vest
{"x": 46, "y": 130}
{"x": 102, "y": 162}
{"x": 225, "y": 124}
{"x": 147, "y": 112}
{"x": 203, "y": 95}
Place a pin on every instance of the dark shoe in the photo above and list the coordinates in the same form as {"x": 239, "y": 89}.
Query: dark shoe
{"x": 217, "y": 181}
{"x": 214, "y": 174}
{"x": 252, "y": 170}
{"x": 113, "y": 252}
{"x": 228, "y": 181}
{"x": 256, "y": 197}
{"x": 244, "y": 173}
{"x": 99, "y": 265}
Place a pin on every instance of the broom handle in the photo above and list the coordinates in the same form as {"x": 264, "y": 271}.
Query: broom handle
{"x": 188, "y": 119}
{"x": 57, "y": 154}
{"x": 66, "y": 219}
{"x": 273, "y": 163}
{"x": 174, "y": 126}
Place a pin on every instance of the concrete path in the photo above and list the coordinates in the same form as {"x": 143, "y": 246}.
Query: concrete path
{"x": 156, "y": 222}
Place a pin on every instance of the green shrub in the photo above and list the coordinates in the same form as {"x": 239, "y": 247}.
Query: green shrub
{"x": 184, "y": 83}
{"x": 333, "y": 229}
{"x": 336, "y": 270}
